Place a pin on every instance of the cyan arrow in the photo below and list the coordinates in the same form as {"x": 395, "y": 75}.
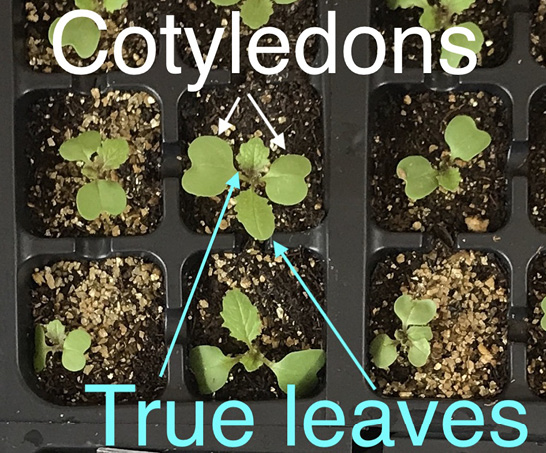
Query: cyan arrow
{"x": 233, "y": 183}
{"x": 280, "y": 250}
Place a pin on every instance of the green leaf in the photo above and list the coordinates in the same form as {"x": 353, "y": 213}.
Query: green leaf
{"x": 113, "y": 5}
{"x": 210, "y": 367}
{"x": 114, "y": 152}
{"x": 225, "y": 2}
{"x": 101, "y": 196}
{"x": 429, "y": 19}
{"x": 77, "y": 342}
{"x": 41, "y": 349}
{"x": 414, "y": 312}
{"x": 454, "y": 59}
{"x": 212, "y": 166}
{"x": 464, "y": 138}
{"x": 457, "y": 6}
{"x": 300, "y": 369}
{"x": 91, "y": 5}
{"x": 404, "y": 4}
{"x": 81, "y": 148}
{"x": 284, "y": 2}
{"x": 252, "y": 361}
{"x": 256, "y": 13}
{"x": 285, "y": 181}
{"x": 450, "y": 178}
{"x": 253, "y": 156}
{"x": 543, "y": 320}
{"x": 81, "y": 33}
{"x": 55, "y": 332}
{"x": 90, "y": 171}
{"x": 240, "y": 317}
{"x": 418, "y": 353}
{"x": 420, "y": 177}
{"x": 417, "y": 332}
{"x": 383, "y": 350}
{"x": 256, "y": 215}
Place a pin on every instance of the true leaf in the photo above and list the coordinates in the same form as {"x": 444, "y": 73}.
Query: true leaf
{"x": 210, "y": 367}
{"x": 417, "y": 332}
{"x": 251, "y": 361}
{"x": 77, "y": 342}
{"x": 256, "y": 13}
{"x": 55, "y": 332}
{"x": 90, "y": 171}
{"x": 429, "y": 19}
{"x": 41, "y": 349}
{"x": 457, "y": 6}
{"x": 92, "y": 5}
{"x": 113, "y": 5}
{"x": 420, "y": 177}
{"x": 100, "y": 196}
{"x": 464, "y": 138}
{"x": 543, "y": 320}
{"x": 414, "y": 312}
{"x": 253, "y": 155}
{"x": 404, "y": 4}
{"x": 285, "y": 182}
{"x": 81, "y": 148}
{"x": 300, "y": 369}
{"x": 240, "y": 317}
{"x": 418, "y": 352}
{"x": 256, "y": 215}
{"x": 454, "y": 59}
{"x": 212, "y": 166}
{"x": 284, "y": 2}
{"x": 383, "y": 350}
{"x": 225, "y": 2}
{"x": 81, "y": 33}
{"x": 450, "y": 178}
{"x": 114, "y": 152}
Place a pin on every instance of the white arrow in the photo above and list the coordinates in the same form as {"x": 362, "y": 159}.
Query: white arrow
{"x": 279, "y": 139}
{"x": 224, "y": 125}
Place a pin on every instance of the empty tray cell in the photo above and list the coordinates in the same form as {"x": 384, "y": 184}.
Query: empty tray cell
{"x": 536, "y": 353}
{"x": 295, "y": 109}
{"x": 537, "y": 161}
{"x": 468, "y": 350}
{"x": 120, "y": 303}
{"x": 413, "y": 123}
{"x": 289, "y": 320}
{"x": 52, "y": 183}
{"x": 492, "y": 18}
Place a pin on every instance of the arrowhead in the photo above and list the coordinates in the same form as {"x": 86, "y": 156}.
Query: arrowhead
{"x": 279, "y": 141}
{"x": 279, "y": 249}
{"x": 223, "y": 126}
{"x": 234, "y": 181}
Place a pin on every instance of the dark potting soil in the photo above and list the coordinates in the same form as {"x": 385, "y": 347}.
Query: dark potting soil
{"x": 40, "y": 14}
{"x": 205, "y": 17}
{"x": 52, "y": 182}
{"x": 469, "y": 346}
{"x": 293, "y": 108}
{"x": 537, "y": 162}
{"x": 491, "y": 16}
{"x": 536, "y": 351}
{"x": 538, "y": 30}
{"x": 292, "y": 322}
{"x": 405, "y": 124}
{"x": 120, "y": 303}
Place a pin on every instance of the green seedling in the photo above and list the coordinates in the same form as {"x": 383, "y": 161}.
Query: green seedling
{"x": 465, "y": 142}
{"x": 440, "y": 17}
{"x": 413, "y": 338}
{"x": 255, "y": 13}
{"x": 99, "y": 159}
{"x": 284, "y": 179}
{"x": 211, "y": 367}
{"x": 52, "y": 338}
{"x": 543, "y": 320}
{"x": 82, "y": 33}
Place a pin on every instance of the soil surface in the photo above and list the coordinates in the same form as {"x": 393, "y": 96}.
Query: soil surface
{"x": 40, "y": 14}
{"x": 120, "y": 303}
{"x": 469, "y": 348}
{"x": 537, "y": 162}
{"x": 538, "y": 31}
{"x": 406, "y": 124}
{"x": 536, "y": 352}
{"x": 293, "y": 108}
{"x": 491, "y": 16}
{"x": 53, "y": 182}
{"x": 292, "y": 323}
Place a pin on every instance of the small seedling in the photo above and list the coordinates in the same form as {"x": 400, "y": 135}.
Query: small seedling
{"x": 99, "y": 159}
{"x": 82, "y": 33}
{"x": 543, "y": 320}
{"x": 52, "y": 338}
{"x": 211, "y": 367}
{"x": 284, "y": 179}
{"x": 440, "y": 17}
{"x": 414, "y": 337}
{"x": 465, "y": 142}
{"x": 255, "y": 13}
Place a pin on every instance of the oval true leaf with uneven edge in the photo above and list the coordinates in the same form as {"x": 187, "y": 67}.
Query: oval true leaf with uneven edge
{"x": 256, "y": 215}
{"x": 256, "y": 13}
{"x": 81, "y": 148}
{"x": 113, "y": 5}
{"x": 450, "y": 178}
{"x": 101, "y": 196}
{"x": 285, "y": 181}
{"x": 212, "y": 167}
{"x": 454, "y": 59}
{"x": 55, "y": 332}
{"x": 210, "y": 367}
{"x": 429, "y": 19}
{"x": 417, "y": 332}
{"x": 420, "y": 177}
{"x": 457, "y": 6}
{"x": 77, "y": 342}
{"x": 418, "y": 352}
{"x": 300, "y": 369}
{"x": 114, "y": 153}
{"x": 240, "y": 317}
{"x": 383, "y": 350}
{"x": 414, "y": 312}
{"x": 92, "y": 5}
{"x": 251, "y": 361}
{"x": 543, "y": 320}
{"x": 464, "y": 138}
{"x": 41, "y": 349}
{"x": 253, "y": 155}
{"x": 81, "y": 33}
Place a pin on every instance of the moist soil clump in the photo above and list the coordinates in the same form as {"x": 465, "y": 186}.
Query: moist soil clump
{"x": 537, "y": 162}
{"x": 53, "y": 182}
{"x": 491, "y": 16}
{"x": 120, "y": 303}
{"x": 293, "y": 108}
{"x": 406, "y": 124}
{"x": 469, "y": 346}
{"x": 291, "y": 321}
{"x": 536, "y": 351}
